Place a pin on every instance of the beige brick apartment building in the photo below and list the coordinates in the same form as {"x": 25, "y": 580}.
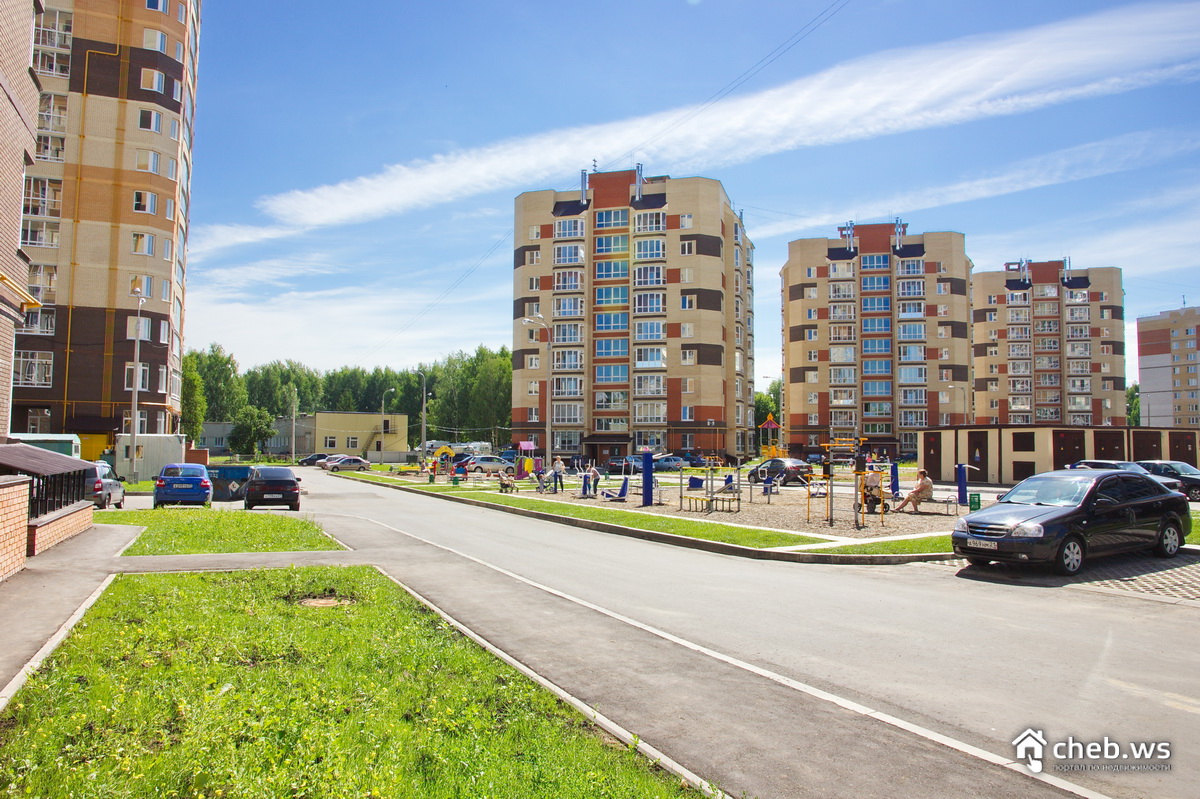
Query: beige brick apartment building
{"x": 1168, "y": 361}
{"x": 876, "y": 339}
{"x": 105, "y": 218}
{"x": 639, "y": 296}
{"x": 1049, "y": 345}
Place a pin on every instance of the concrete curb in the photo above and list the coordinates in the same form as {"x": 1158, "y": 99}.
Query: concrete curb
{"x": 718, "y": 547}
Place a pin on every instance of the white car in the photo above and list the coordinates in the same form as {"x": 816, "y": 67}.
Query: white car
{"x": 488, "y": 463}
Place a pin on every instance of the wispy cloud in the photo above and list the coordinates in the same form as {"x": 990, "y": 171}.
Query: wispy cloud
{"x": 1118, "y": 154}
{"x": 207, "y": 239}
{"x": 885, "y": 93}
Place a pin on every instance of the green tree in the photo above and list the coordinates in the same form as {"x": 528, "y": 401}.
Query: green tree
{"x": 193, "y": 405}
{"x": 224, "y": 388}
{"x": 251, "y": 427}
{"x": 1133, "y": 405}
{"x": 345, "y": 390}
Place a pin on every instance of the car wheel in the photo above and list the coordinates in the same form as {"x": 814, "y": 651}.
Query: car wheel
{"x": 979, "y": 562}
{"x": 1193, "y": 494}
{"x": 155, "y": 506}
{"x": 509, "y": 470}
{"x": 1169, "y": 540}
{"x": 104, "y": 502}
{"x": 1069, "y": 558}
{"x": 121, "y": 504}
{"x": 333, "y": 468}
{"x": 752, "y": 477}
{"x": 362, "y": 468}
{"x": 296, "y": 507}
{"x": 247, "y": 506}
{"x": 478, "y": 470}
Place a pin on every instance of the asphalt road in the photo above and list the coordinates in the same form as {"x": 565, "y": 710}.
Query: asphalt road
{"x": 721, "y": 662}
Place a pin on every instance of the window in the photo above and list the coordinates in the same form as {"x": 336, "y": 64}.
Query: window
{"x": 535, "y": 232}
{"x": 911, "y": 374}
{"x": 613, "y": 218}
{"x": 145, "y": 202}
{"x": 39, "y": 233}
{"x": 612, "y": 321}
{"x": 876, "y": 346}
{"x": 649, "y": 413}
{"x": 687, "y": 413}
{"x": 611, "y": 244}
{"x": 138, "y": 327}
{"x": 43, "y": 197}
{"x": 150, "y": 120}
{"x": 842, "y": 375}
{"x": 878, "y": 324}
{"x": 612, "y": 348}
{"x": 874, "y": 283}
{"x": 567, "y": 280}
{"x": 154, "y": 40}
{"x": 687, "y": 248}
{"x": 568, "y": 387}
{"x": 912, "y": 331}
{"x": 687, "y": 357}
{"x": 875, "y": 262}
{"x": 533, "y": 362}
{"x": 650, "y": 357}
{"x": 612, "y": 373}
{"x": 912, "y": 396}
{"x": 649, "y": 302}
{"x": 567, "y": 413}
{"x": 52, "y": 113}
{"x": 612, "y": 400}
{"x": 650, "y": 385}
{"x": 568, "y": 254}
{"x": 688, "y": 330}
{"x": 688, "y": 385}
{"x": 174, "y": 129}
{"x": 685, "y": 221}
{"x": 911, "y": 352}
{"x": 649, "y": 331}
{"x": 533, "y": 388}
{"x": 649, "y": 222}
{"x": 608, "y": 270}
{"x": 568, "y": 228}
{"x": 143, "y": 244}
{"x": 533, "y": 309}
{"x": 533, "y": 257}
{"x": 568, "y": 333}
{"x": 649, "y": 276}
{"x": 40, "y": 322}
{"x": 568, "y": 306}
{"x": 877, "y": 388}
{"x": 146, "y": 161}
{"x": 50, "y": 148}
{"x": 687, "y": 302}
{"x": 910, "y": 288}
{"x": 911, "y": 266}
{"x": 153, "y": 80}
{"x": 568, "y": 359}
{"x": 645, "y": 249}
{"x": 913, "y": 418}
{"x": 143, "y": 371}
{"x": 876, "y": 367}
{"x": 873, "y": 305}
{"x": 162, "y": 5}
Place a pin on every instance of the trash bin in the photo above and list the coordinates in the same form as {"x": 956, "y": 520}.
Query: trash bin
{"x": 973, "y": 502}
{"x": 432, "y": 476}
{"x": 454, "y": 480}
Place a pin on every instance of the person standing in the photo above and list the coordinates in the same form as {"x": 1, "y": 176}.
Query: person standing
{"x": 594, "y": 474}
{"x": 560, "y": 469}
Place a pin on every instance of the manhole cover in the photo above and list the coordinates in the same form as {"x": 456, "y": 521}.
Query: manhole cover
{"x": 326, "y": 602}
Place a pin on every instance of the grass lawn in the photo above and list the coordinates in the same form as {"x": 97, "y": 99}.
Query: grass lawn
{"x": 178, "y": 531}
{"x": 908, "y": 546}
{"x": 221, "y": 684}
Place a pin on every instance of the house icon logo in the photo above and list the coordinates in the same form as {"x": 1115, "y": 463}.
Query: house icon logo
{"x": 1030, "y": 745}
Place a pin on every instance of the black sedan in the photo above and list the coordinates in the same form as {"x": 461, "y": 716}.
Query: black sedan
{"x": 314, "y": 459}
{"x": 1185, "y": 473}
{"x": 272, "y": 485}
{"x": 1065, "y": 516}
{"x": 781, "y": 470}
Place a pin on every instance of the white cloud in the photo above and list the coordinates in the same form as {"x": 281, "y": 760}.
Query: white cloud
{"x": 1118, "y": 154}
{"x": 900, "y": 90}
{"x": 206, "y": 239}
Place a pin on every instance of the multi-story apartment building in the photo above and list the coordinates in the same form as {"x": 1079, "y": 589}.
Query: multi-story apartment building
{"x": 1168, "y": 361}
{"x": 633, "y": 318}
{"x": 18, "y": 141}
{"x": 105, "y": 218}
{"x": 1049, "y": 345}
{"x": 876, "y": 336}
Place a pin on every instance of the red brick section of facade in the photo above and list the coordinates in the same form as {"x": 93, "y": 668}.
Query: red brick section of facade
{"x": 14, "y": 524}
{"x": 54, "y": 528}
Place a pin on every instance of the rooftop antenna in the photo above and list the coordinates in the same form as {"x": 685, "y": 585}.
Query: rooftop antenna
{"x": 595, "y": 167}
{"x": 901, "y": 229}
{"x": 848, "y": 234}
{"x": 638, "y": 183}
{"x": 583, "y": 186}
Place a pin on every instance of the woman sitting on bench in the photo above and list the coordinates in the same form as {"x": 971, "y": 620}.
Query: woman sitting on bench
{"x": 922, "y": 493}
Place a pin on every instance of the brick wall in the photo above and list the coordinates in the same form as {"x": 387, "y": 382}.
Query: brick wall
{"x": 54, "y": 528}
{"x": 14, "y": 522}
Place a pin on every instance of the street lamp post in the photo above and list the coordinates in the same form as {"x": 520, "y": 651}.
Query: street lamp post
{"x": 424, "y": 396}
{"x": 966, "y": 415}
{"x": 295, "y": 403}
{"x": 383, "y": 424}
{"x": 539, "y": 320}
{"x": 137, "y": 382}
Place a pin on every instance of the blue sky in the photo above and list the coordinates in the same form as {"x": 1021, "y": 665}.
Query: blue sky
{"x": 354, "y": 175}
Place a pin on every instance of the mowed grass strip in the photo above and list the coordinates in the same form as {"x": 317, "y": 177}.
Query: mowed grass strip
{"x": 906, "y": 546}
{"x": 199, "y": 531}
{"x": 223, "y": 684}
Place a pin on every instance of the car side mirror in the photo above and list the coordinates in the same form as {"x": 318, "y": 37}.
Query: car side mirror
{"x": 1104, "y": 503}
{"x": 121, "y": 479}
{"x": 297, "y": 479}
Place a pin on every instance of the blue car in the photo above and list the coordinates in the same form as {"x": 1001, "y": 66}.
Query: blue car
{"x": 183, "y": 484}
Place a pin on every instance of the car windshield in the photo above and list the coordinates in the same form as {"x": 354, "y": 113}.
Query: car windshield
{"x": 183, "y": 471}
{"x": 1184, "y": 468}
{"x": 1133, "y": 467}
{"x": 274, "y": 473}
{"x": 1059, "y": 491}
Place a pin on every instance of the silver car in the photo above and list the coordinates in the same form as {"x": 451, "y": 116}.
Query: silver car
{"x": 105, "y": 486}
{"x": 488, "y": 463}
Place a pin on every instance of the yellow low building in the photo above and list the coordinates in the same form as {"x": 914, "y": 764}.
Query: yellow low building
{"x": 354, "y": 433}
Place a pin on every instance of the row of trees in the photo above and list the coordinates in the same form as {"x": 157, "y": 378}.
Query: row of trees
{"x": 470, "y": 395}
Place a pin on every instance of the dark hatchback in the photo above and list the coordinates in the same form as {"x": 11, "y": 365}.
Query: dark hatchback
{"x": 1185, "y": 473}
{"x": 272, "y": 485}
{"x": 781, "y": 470}
{"x": 183, "y": 484}
{"x": 1066, "y": 516}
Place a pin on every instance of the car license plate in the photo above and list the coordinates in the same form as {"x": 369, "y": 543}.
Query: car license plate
{"x": 272, "y": 496}
{"x": 182, "y": 485}
{"x": 980, "y": 544}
